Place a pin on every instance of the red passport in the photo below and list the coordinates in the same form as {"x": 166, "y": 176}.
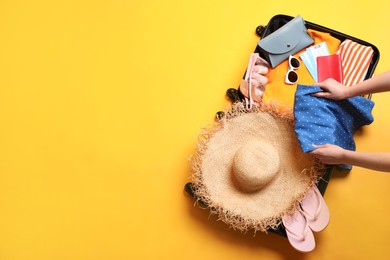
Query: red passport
{"x": 329, "y": 67}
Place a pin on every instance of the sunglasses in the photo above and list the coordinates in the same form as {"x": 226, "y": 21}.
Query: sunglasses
{"x": 291, "y": 75}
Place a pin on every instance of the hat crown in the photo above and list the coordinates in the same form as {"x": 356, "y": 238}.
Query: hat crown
{"x": 255, "y": 165}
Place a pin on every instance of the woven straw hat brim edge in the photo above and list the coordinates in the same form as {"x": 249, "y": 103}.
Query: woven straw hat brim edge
{"x": 237, "y": 221}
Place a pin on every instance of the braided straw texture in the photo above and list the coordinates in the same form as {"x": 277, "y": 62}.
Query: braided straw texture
{"x": 211, "y": 166}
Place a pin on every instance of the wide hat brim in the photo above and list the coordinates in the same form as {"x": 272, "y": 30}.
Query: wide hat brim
{"x": 212, "y": 167}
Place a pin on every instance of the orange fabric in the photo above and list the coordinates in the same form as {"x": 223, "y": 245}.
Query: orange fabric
{"x": 356, "y": 59}
{"x": 277, "y": 89}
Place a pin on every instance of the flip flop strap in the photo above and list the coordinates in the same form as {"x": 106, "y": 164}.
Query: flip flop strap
{"x": 248, "y": 77}
{"x": 299, "y": 236}
{"x": 317, "y": 213}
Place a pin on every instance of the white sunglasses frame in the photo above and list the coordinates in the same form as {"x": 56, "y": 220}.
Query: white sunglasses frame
{"x": 291, "y": 69}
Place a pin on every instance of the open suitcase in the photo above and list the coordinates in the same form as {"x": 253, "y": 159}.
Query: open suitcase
{"x": 263, "y": 31}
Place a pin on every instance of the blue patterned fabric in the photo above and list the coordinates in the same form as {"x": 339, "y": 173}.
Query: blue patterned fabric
{"x": 321, "y": 120}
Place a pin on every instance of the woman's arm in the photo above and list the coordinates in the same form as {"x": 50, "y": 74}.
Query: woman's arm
{"x": 333, "y": 154}
{"x": 335, "y": 90}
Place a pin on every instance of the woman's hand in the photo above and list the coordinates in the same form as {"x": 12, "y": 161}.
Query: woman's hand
{"x": 332, "y": 89}
{"x": 329, "y": 154}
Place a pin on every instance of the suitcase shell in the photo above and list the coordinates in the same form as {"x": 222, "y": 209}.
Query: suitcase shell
{"x": 234, "y": 94}
{"x": 278, "y": 21}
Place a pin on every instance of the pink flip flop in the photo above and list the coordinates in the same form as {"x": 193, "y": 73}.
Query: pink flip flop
{"x": 315, "y": 209}
{"x": 253, "y": 84}
{"x": 298, "y": 232}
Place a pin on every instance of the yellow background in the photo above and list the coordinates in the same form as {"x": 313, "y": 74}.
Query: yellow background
{"x": 100, "y": 106}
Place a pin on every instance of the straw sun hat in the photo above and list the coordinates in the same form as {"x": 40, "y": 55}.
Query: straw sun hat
{"x": 249, "y": 168}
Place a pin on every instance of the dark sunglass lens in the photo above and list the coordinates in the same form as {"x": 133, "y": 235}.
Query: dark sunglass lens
{"x": 292, "y": 76}
{"x": 295, "y": 62}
